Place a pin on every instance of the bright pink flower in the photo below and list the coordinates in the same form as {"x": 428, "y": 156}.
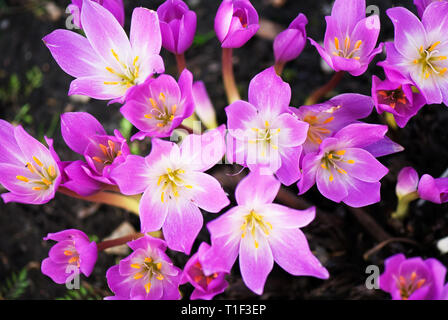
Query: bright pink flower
{"x": 261, "y": 232}
{"x": 407, "y": 182}
{"x": 114, "y": 6}
{"x": 423, "y": 4}
{"x": 107, "y": 63}
{"x": 289, "y": 44}
{"x": 146, "y": 274}
{"x": 73, "y": 253}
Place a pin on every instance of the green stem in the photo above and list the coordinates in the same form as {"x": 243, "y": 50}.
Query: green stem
{"x": 403, "y": 205}
{"x": 318, "y": 94}
{"x": 113, "y": 199}
{"x": 228, "y": 76}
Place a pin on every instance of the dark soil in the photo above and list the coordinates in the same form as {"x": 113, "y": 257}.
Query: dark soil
{"x": 338, "y": 236}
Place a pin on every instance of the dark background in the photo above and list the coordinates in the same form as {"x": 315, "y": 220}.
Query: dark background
{"x": 33, "y": 92}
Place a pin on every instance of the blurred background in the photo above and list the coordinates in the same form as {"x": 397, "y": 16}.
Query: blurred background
{"x": 33, "y": 93}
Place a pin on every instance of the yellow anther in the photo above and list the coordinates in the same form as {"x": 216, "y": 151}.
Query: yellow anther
{"x": 160, "y": 277}
{"x": 138, "y": 275}
{"x": 48, "y": 183}
{"x": 38, "y": 162}
{"x": 421, "y": 49}
{"x": 135, "y": 61}
{"x": 161, "y": 196}
{"x": 153, "y": 103}
{"x": 115, "y": 55}
{"x": 340, "y": 152}
{"x": 188, "y": 187}
{"x": 427, "y": 74}
{"x": 36, "y": 188}
{"x": 434, "y": 46}
{"x": 274, "y": 147}
{"x": 351, "y": 161}
{"x": 330, "y": 156}
{"x": 51, "y": 171}
{"x": 331, "y": 178}
{"x": 111, "y": 144}
{"x": 97, "y": 159}
{"x": 68, "y": 253}
{"x": 103, "y": 148}
{"x": 171, "y": 117}
{"x": 256, "y": 244}
{"x": 160, "y": 180}
{"x": 148, "y": 116}
{"x": 147, "y": 259}
{"x": 336, "y": 43}
{"x": 159, "y": 265}
{"x": 342, "y": 171}
{"x": 31, "y": 167}
{"x": 441, "y": 58}
{"x": 135, "y": 266}
{"x": 255, "y": 129}
{"x": 347, "y": 42}
{"x": 162, "y": 97}
{"x": 159, "y": 124}
{"x": 328, "y": 120}
{"x": 111, "y": 82}
{"x": 356, "y": 58}
{"x": 266, "y": 124}
{"x": 415, "y": 61}
{"x": 443, "y": 71}
{"x": 323, "y": 166}
{"x": 111, "y": 70}
{"x": 358, "y": 44}
{"x": 147, "y": 287}
{"x": 22, "y": 178}
{"x": 173, "y": 108}
{"x": 73, "y": 259}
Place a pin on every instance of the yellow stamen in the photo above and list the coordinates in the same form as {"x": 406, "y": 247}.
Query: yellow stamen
{"x": 148, "y": 116}
{"x": 22, "y": 178}
{"x": 342, "y": 171}
{"x": 97, "y": 159}
{"x": 147, "y": 287}
{"x": 160, "y": 125}
{"x": 331, "y": 178}
{"x": 358, "y": 44}
{"x": 68, "y": 253}
{"x": 51, "y": 171}
{"x": 148, "y": 259}
{"x": 135, "y": 61}
{"x": 159, "y": 265}
{"x": 441, "y": 58}
{"x": 266, "y": 124}
{"x": 162, "y": 97}
{"x": 160, "y": 277}
{"x": 39, "y": 163}
{"x": 323, "y": 166}
{"x": 328, "y": 120}
{"x": 161, "y": 196}
{"x": 351, "y": 161}
{"x": 347, "y": 42}
{"x": 330, "y": 156}
{"x": 31, "y": 167}
{"x": 135, "y": 266}
{"x": 153, "y": 103}
{"x": 111, "y": 145}
{"x": 36, "y": 188}
{"x": 111, "y": 82}
{"x": 188, "y": 187}
{"x": 427, "y": 74}
{"x": 103, "y": 148}
{"x": 434, "y": 46}
{"x": 138, "y": 275}
{"x": 173, "y": 108}
{"x": 48, "y": 183}
{"x": 256, "y": 244}
{"x": 73, "y": 260}
{"x": 340, "y": 152}
{"x": 443, "y": 71}
{"x": 336, "y": 43}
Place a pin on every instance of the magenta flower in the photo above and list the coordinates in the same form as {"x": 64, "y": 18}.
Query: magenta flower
{"x": 146, "y": 274}
{"x": 289, "y": 44}
{"x": 350, "y": 38}
{"x": 434, "y": 190}
{"x": 407, "y": 182}
{"x": 396, "y": 97}
{"x": 236, "y": 22}
{"x": 266, "y": 134}
{"x": 177, "y": 24}
{"x": 261, "y": 232}
{"x": 203, "y": 106}
{"x": 422, "y": 4}
{"x": 175, "y": 186}
{"x": 420, "y": 50}
{"x": 159, "y": 106}
{"x": 30, "y": 170}
{"x": 205, "y": 286}
{"x": 327, "y": 118}
{"x": 343, "y": 169}
{"x": 106, "y": 63}
{"x": 413, "y": 278}
{"x": 85, "y": 135}
{"x": 73, "y": 253}
{"x": 114, "y": 6}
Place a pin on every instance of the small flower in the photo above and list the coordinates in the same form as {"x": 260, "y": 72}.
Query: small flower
{"x": 29, "y": 170}
{"x": 407, "y": 182}
{"x": 114, "y": 6}
{"x": 266, "y": 134}
{"x": 261, "y": 232}
{"x": 420, "y": 50}
{"x": 434, "y": 190}
{"x": 73, "y": 253}
{"x": 343, "y": 169}
{"x": 236, "y": 22}
{"x": 106, "y": 63}
{"x": 397, "y": 97}
{"x": 350, "y": 37}
{"x": 85, "y": 135}
{"x": 327, "y": 118}
{"x": 177, "y": 24}
{"x": 175, "y": 186}
{"x": 146, "y": 274}
{"x": 205, "y": 286}
{"x": 423, "y": 4}
{"x": 159, "y": 106}
{"x": 413, "y": 278}
{"x": 289, "y": 44}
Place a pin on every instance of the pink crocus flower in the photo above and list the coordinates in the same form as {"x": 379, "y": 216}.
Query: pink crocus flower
{"x": 236, "y": 22}
{"x": 289, "y": 44}
{"x": 261, "y": 232}
{"x": 205, "y": 286}
{"x": 177, "y": 24}
{"x": 413, "y": 278}
{"x": 343, "y": 169}
{"x": 159, "y": 106}
{"x": 106, "y": 63}
{"x": 175, "y": 186}
{"x": 265, "y": 133}
{"x": 420, "y": 50}
{"x": 30, "y": 171}
{"x": 146, "y": 274}
{"x": 114, "y": 6}
{"x": 73, "y": 253}
{"x": 350, "y": 38}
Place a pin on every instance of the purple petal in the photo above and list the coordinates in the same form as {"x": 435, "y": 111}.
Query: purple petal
{"x": 256, "y": 188}
{"x": 210, "y": 196}
{"x": 145, "y": 33}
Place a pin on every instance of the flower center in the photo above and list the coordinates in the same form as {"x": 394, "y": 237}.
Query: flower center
{"x": 128, "y": 74}
{"x": 392, "y": 97}
{"x": 110, "y": 153}
{"x": 42, "y": 177}
{"x": 200, "y": 278}
{"x": 242, "y": 16}
{"x": 73, "y": 254}
{"x": 347, "y": 51}
{"x": 148, "y": 269}
{"x": 171, "y": 182}
{"x": 160, "y": 111}
{"x": 407, "y": 286}
{"x": 252, "y": 222}
{"x": 332, "y": 160}
{"x": 317, "y": 130}
{"x": 267, "y": 136}
{"x": 429, "y": 60}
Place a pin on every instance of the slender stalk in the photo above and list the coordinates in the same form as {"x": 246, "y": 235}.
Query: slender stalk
{"x": 403, "y": 205}
{"x": 181, "y": 63}
{"x": 113, "y": 199}
{"x": 103, "y": 245}
{"x": 228, "y": 76}
{"x": 279, "y": 66}
{"x": 318, "y": 94}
